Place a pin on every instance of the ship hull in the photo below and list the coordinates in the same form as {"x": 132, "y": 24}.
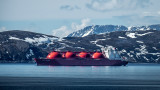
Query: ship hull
{"x": 79, "y": 62}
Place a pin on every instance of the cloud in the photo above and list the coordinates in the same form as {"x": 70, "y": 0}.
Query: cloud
{"x": 84, "y": 23}
{"x": 133, "y": 20}
{"x": 100, "y": 5}
{"x": 106, "y": 5}
{"x": 63, "y": 31}
{"x": 3, "y": 29}
{"x": 69, "y": 7}
{"x": 150, "y": 14}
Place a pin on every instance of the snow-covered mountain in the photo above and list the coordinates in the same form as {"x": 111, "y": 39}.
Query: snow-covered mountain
{"x": 98, "y": 29}
{"x": 135, "y": 46}
{"x": 22, "y": 46}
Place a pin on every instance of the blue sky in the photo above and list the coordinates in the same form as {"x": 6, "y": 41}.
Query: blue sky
{"x": 61, "y": 17}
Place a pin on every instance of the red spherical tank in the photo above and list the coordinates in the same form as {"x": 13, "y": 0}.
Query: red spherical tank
{"x": 83, "y": 55}
{"x": 97, "y": 55}
{"x": 53, "y": 55}
{"x": 69, "y": 54}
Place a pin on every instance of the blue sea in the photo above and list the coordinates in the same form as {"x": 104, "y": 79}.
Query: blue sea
{"x": 131, "y": 71}
{"x": 31, "y": 76}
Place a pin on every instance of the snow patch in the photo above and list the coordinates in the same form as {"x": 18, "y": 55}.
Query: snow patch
{"x": 29, "y": 54}
{"x": 37, "y": 41}
{"x": 157, "y": 54}
{"x": 144, "y": 34}
{"x": 121, "y": 37}
{"x": 80, "y": 47}
{"x": 129, "y": 28}
{"x": 148, "y": 29}
{"x": 129, "y": 55}
{"x": 88, "y": 33}
{"x": 30, "y": 40}
{"x": 146, "y": 58}
{"x": 123, "y": 51}
{"x": 139, "y": 42}
{"x": 142, "y": 29}
{"x": 154, "y": 48}
{"x": 95, "y": 42}
{"x": 131, "y": 35}
{"x": 14, "y": 38}
{"x": 142, "y": 50}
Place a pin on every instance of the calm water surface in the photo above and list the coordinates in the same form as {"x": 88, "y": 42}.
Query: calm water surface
{"x": 131, "y": 71}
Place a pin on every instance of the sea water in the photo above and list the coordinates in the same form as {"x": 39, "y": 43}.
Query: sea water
{"x": 131, "y": 71}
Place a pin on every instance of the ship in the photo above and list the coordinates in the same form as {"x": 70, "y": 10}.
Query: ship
{"x": 83, "y": 58}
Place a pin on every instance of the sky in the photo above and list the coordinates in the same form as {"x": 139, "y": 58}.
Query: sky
{"x": 61, "y": 17}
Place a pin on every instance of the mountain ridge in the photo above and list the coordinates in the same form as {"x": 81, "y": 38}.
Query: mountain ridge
{"x": 98, "y": 29}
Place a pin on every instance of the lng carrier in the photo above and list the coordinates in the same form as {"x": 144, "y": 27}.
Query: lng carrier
{"x": 69, "y": 58}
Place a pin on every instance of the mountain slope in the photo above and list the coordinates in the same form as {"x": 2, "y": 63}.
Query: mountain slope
{"x": 98, "y": 29}
{"x": 22, "y": 46}
{"x": 135, "y": 46}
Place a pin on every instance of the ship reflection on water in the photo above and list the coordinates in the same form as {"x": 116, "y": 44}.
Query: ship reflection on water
{"x": 132, "y": 76}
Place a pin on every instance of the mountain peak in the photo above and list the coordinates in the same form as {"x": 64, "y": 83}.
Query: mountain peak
{"x": 99, "y": 29}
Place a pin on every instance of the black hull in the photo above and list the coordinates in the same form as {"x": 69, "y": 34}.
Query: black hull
{"x": 79, "y": 62}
